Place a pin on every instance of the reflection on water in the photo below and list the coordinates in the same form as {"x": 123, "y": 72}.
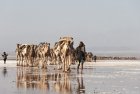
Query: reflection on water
{"x": 99, "y": 80}
{"x": 4, "y": 71}
{"x": 62, "y": 83}
{"x": 81, "y": 86}
{"x": 31, "y": 78}
{"x": 41, "y": 79}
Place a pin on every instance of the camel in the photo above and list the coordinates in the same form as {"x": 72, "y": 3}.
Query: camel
{"x": 89, "y": 57}
{"x": 57, "y": 52}
{"x": 31, "y": 55}
{"x": 52, "y": 57}
{"x": 43, "y": 53}
{"x": 18, "y": 54}
{"x": 64, "y": 51}
{"x": 21, "y": 54}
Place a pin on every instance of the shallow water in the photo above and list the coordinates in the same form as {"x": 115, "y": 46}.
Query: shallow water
{"x": 92, "y": 80}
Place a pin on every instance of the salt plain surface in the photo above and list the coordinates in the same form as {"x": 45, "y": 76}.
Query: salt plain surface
{"x": 102, "y": 77}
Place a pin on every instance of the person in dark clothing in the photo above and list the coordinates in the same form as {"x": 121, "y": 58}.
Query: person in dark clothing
{"x": 95, "y": 57}
{"x": 80, "y": 50}
{"x": 4, "y": 55}
{"x": 81, "y": 59}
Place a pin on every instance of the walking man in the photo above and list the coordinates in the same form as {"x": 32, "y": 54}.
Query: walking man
{"x": 4, "y": 55}
{"x": 95, "y": 57}
{"x": 80, "y": 50}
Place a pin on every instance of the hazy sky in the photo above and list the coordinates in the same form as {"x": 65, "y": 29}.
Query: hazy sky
{"x": 98, "y": 23}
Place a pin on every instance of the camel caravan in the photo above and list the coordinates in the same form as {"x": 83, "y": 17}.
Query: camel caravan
{"x": 63, "y": 54}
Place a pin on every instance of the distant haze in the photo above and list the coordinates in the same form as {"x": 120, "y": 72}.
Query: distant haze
{"x": 103, "y": 25}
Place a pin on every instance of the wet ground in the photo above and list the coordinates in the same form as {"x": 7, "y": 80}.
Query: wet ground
{"x": 92, "y": 80}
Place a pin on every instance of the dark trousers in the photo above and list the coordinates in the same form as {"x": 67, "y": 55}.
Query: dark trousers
{"x": 4, "y": 60}
{"x": 80, "y": 62}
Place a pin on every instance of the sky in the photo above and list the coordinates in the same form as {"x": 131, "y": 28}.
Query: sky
{"x": 103, "y": 25}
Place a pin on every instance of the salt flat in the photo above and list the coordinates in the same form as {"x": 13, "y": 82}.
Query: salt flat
{"x": 9, "y": 63}
{"x": 102, "y": 77}
{"x": 12, "y": 63}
